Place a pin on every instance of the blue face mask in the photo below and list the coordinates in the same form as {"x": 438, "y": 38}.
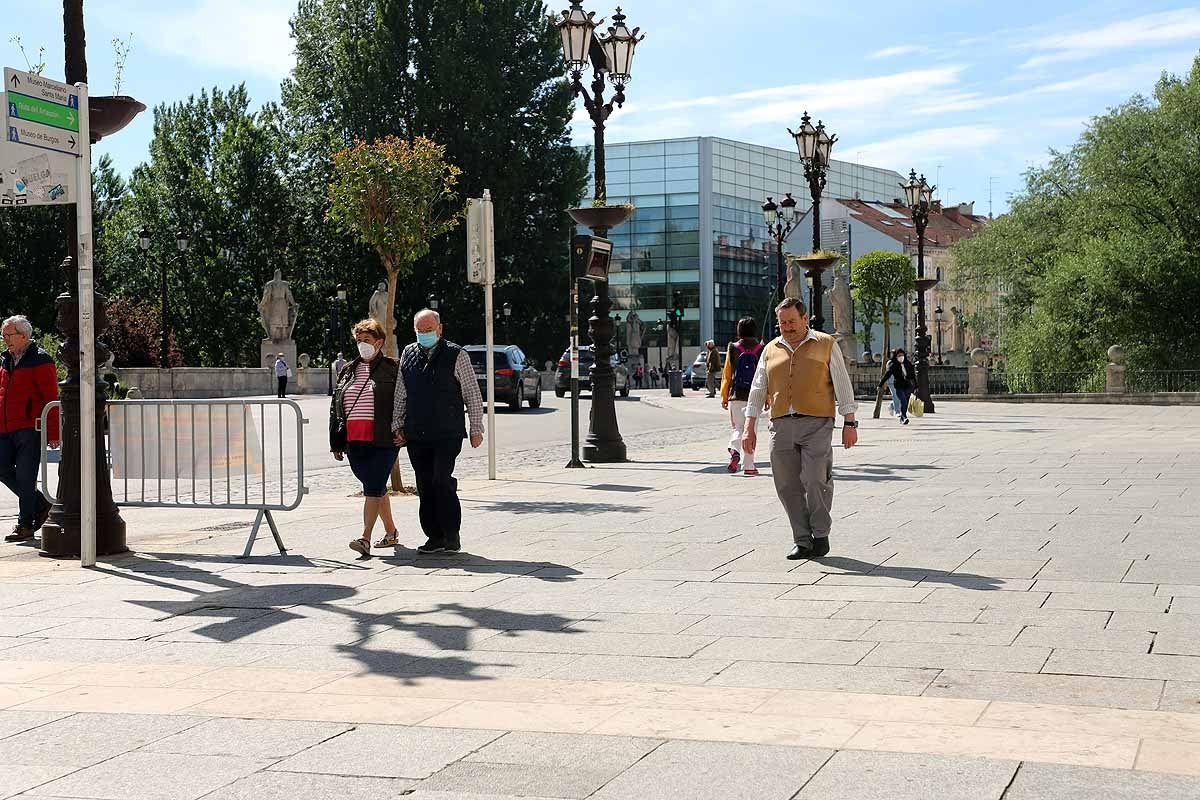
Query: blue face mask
{"x": 427, "y": 340}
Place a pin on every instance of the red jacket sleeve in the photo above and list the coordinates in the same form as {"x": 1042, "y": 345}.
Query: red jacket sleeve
{"x": 45, "y": 384}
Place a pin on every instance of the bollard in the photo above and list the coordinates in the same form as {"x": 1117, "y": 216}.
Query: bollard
{"x": 675, "y": 378}
{"x": 977, "y": 373}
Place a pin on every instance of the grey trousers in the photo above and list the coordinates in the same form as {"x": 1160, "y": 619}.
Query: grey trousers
{"x": 802, "y": 465}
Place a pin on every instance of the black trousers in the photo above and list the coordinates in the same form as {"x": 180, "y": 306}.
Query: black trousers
{"x": 440, "y": 511}
{"x": 282, "y": 385}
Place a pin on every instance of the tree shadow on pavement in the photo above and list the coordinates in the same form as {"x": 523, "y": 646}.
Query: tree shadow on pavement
{"x": 433, "y": 640}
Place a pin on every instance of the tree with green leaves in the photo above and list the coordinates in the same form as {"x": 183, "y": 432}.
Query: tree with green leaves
{"x": 485, "y": 80}
{"x": 1103, "y": 245}
{"x": 394, "y": 196}
{"x": 881, "y": 278}
{"x": 216, "y": 172}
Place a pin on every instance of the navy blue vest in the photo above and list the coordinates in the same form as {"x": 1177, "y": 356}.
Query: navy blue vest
{"x": 435, "y": 406}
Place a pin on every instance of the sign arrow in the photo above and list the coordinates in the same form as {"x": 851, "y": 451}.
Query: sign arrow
{"x": 71, "y": 141}
{"x": 16, "y": 81}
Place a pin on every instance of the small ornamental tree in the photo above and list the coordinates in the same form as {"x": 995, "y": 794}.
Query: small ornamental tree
{"x": 880, "y": 278}
{"x": 395, "y": 196}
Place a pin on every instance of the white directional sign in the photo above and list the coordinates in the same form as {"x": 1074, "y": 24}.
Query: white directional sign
{"x": 40, "y": 112}
{"x": 31, "y": 177}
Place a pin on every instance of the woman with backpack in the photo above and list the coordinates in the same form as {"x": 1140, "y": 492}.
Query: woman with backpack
{"x": 740, "y": 363}
{"x": 900, "y": 371}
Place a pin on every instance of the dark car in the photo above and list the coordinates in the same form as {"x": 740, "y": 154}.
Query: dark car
{"x": 517, "y": 381}
{"x": 562, "y": 378}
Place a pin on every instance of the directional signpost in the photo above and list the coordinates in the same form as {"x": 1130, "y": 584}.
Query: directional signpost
{"x": 42, "y": 115}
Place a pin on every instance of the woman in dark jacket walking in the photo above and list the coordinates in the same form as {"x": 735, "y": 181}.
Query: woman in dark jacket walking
{"x": 360, "y": 426}
{"x": 904, "y": 378}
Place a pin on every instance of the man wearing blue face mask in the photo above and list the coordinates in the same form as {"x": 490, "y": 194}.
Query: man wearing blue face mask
{"x": 436, "y": 384}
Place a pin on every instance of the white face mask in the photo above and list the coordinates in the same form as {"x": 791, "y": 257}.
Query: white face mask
{"x": 366, "y": 350}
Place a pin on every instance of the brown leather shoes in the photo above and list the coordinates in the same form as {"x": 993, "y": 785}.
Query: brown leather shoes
{"x": 19, "y": 534}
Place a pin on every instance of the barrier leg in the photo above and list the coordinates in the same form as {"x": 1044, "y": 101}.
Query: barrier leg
{"x": 275, "y": 533}
{"x": 254, "y": 531}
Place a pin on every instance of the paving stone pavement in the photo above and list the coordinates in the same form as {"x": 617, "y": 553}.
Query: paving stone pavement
{"x": 1010, "y": 610}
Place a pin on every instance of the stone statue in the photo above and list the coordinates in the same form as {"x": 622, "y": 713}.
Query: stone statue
{"x": 635, "y": 331}
{"x": 794, "y": 288}
{"x": 304, "y": 360}
{"x": 960, "y": 330}
{"x": 673, "y": 347}
{"x": 277, "y": 309}
{"x": 839, "y": 298}
{"x": 378, "y": 305}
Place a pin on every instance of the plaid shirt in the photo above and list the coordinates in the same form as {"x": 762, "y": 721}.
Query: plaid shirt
{"x": 464, "y": 373}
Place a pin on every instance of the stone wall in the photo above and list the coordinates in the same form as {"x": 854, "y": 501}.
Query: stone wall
{"x": 194, "y": 383}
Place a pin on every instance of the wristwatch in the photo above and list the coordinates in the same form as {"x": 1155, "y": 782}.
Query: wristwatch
{"x": 847, "y": 423}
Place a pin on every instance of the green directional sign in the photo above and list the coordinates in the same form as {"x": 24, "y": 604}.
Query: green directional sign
{"x": 34, "y": 109}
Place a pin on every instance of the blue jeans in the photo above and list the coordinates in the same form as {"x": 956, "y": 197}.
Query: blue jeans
{"x": 902, "y": 395}
{"x": 20, "y": 457}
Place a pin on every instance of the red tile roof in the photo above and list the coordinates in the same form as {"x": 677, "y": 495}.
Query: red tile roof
{"x": 946, "y": 225}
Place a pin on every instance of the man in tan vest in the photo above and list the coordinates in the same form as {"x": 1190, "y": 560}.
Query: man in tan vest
{"x": 802, "y": 378}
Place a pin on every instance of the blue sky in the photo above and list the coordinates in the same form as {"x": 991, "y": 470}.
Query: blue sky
{"x": 970, "y": 93}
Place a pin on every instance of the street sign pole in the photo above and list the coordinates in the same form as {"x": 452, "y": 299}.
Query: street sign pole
{"x": 481, "y": 268}
{"x": 87, "y": 341}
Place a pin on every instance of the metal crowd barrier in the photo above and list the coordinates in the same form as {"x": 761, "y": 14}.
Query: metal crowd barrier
{"x": 226, "y": 454}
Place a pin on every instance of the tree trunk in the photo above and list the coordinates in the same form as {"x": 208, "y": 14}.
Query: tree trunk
{"x": 391, "y": 349}
{"x": 887, "y": 349}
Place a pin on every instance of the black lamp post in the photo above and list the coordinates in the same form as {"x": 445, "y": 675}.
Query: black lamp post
{"x": 781, "y": 221}
{"x": 919, "y": 196}
{"x": 815, "y": 146}
{"x": 335, "y": 302}
{"x": 608, "y": 55}
{"x": 182, "y": 241}
{"x": 507, "y": 310}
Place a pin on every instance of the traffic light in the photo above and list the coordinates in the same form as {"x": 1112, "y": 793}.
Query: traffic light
{"x": 677, "y": 310}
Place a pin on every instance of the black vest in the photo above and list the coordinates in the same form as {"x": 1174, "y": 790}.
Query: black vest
{"x": 435, "y": 407}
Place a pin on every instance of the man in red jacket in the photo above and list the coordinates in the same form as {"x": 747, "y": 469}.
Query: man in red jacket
{"x": 28, "y": 381}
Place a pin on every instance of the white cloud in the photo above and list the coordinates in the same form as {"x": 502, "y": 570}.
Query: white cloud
{"x": 1151, "y": 29}
{"x": 899, "y": 50}
{"x": 930, "y": 146}
{"x": 227, "y": 34}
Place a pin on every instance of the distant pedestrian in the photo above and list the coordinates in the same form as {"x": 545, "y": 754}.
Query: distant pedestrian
{"x": 741, "y": 362}
{"x": 28, "y": 381}
{"x": 893, "y": 407}
{"x": 654, "y": 377}
{"x": 437, "y": 383}
{"x": 339, "y": 364}
{"x": 282, "y": 373}
{"x": 638, "y": 374}
{"x": 360, "y": 426}
{"x": 803, "y": 377}
{"x": 900, "y": 371}
{"x": 712, "y": 365}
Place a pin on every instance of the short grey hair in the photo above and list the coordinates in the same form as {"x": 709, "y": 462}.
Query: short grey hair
{"x": 437, "y": 318}
{"x": 21, "y": 323}
{"x": 791, "y": 302}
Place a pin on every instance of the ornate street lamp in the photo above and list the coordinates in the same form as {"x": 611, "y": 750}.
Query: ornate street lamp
{"x": 432, "y": 302}
{"x": 919, "y": 196}
{"x": 937, "y": 315}
{"x": 780, "y": 219}
{"x": 815, "y": 146}
{"x": 610, "y": 55}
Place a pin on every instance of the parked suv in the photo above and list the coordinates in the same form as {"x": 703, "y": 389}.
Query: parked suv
{"x": 699, "y": 373}
{"x": 562, "y": 378}
{"x": 517, "y": 381}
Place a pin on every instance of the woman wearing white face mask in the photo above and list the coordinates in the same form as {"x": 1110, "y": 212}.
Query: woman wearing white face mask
{"x": 360, "y": 426}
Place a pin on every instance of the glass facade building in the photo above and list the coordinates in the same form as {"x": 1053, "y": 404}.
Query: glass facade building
{"x": 699, "y": 230}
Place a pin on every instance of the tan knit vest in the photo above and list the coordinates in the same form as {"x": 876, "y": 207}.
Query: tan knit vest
{"x": 800, "y": 382}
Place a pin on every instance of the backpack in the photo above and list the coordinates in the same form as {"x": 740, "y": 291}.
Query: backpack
{"x": 747, "y": 363}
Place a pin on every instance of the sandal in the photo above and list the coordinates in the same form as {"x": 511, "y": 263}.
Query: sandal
{"x": 390, "y": 540}
{"x": 361, "y": 546}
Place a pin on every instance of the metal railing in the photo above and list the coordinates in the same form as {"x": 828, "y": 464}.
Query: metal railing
{"x": 221, "y": 454}
{"x": 1167, "y": 380}
{"x": 1020, "y": 382}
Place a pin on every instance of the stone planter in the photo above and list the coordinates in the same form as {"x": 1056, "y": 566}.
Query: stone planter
{"x": 107, "y": 115}
{"x": 601, "y": 217}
